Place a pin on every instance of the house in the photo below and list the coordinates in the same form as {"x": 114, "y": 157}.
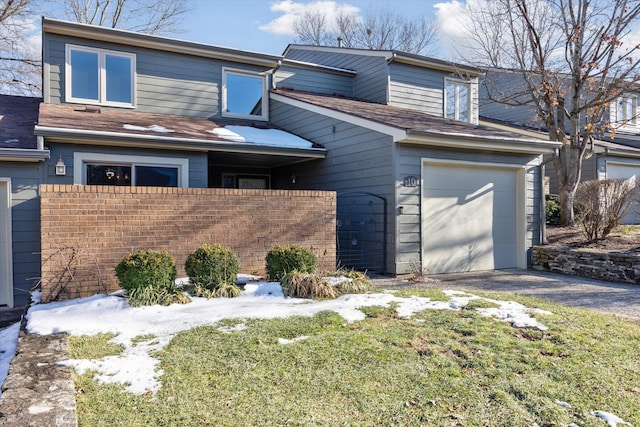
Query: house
{"x": 607, "y": 158}
{"x": 421, "y": 185}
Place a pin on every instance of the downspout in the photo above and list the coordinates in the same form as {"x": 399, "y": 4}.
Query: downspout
{"x": 543, "y": 201}
{"x": 273, "y": 74}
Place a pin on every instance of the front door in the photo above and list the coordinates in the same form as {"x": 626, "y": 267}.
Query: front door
{"x": 6, "y": 263}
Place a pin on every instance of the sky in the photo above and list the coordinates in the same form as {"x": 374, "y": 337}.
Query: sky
{"x": 137, "y": 367}
{"x": 266, "y": 26}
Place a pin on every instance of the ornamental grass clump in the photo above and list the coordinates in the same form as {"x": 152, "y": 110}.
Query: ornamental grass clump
{"x": 149, "y": 277}
{"x": 355, "y": 282}
{"x": 307, "y": 285}
{"x": 213, "y": 270}
{"x": 285, "y": 259}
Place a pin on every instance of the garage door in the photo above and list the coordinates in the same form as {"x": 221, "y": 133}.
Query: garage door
{"x": 470, "y": 218}
{"x": 626, "y": 171}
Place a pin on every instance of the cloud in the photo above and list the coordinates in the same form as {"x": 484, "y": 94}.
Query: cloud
{"x": 291, "y": 11}
{"x": 452, "y": 20}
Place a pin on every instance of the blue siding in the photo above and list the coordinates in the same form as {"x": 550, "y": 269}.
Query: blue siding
{"x": 306, "y": 80}
{"x": 167, "y": 83}
{"x": 25, "y": 216}
{"x": 371, "y": 82}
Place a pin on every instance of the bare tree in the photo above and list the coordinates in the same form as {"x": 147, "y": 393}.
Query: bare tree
{"x": 312, "y": 28}
{"x": 380, "y": 29}
{"x": 574, "y": 61}
{"x": 19, "y": 65}
{"x": 145, "y": 16}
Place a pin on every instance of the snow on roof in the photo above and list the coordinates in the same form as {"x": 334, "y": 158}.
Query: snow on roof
{"x": 270, "y": 137}
{"x": 154, "y": 128}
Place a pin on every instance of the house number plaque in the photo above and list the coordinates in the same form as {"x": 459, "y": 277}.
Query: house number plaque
{"x": 411, "y": 181}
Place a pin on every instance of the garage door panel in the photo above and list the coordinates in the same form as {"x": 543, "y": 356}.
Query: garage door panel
{"x": 632, "y": 172}
{"x": 470, "y": 218}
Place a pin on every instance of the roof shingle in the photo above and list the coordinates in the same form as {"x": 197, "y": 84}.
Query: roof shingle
{"x": 18, "y": 116}
{"x": 397, "y": 117}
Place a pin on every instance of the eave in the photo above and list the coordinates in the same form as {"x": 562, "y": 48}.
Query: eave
{"x": 130, "y": 38}
{"x": 435, "y": 64}
{"x": 88, "y": 137}
{"x": 23, "y": 155}
{"x": 480, "y": 143}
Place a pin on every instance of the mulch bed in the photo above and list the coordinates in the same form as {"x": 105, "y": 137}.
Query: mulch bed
{"x": 574, "y": 237}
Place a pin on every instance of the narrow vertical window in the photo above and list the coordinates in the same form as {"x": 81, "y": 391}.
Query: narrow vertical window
{"x": 85, "y": 75}
{"x": 457, "y": 100}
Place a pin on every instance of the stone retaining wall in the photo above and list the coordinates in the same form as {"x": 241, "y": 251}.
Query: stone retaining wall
{"x": 592, "y": 264}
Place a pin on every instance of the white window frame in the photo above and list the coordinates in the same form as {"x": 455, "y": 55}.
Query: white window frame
{"x": 80, "y": 161}
{"x": 265, "y": 95}
{"x": 457, "y": 83}
{"x": 102, "y": 76}
{"x": 634, "y": 106}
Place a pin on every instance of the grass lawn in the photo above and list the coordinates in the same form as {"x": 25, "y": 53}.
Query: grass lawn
{"x": 440, "y": 368}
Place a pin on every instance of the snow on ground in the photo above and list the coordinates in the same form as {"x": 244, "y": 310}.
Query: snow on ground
{"x": 611, "y": 419}
{"x": 138, "y": 370}
{"x": 8, "y": 344}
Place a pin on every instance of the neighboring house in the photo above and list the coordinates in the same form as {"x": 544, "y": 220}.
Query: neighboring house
{"x": 617, "y": 157}
{"x": 21, "y": 158}
{"x": 122, "y": 108}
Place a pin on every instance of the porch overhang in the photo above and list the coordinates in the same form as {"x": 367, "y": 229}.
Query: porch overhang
{"x": 23, "y": 155}
{"x": 122, "y": 139}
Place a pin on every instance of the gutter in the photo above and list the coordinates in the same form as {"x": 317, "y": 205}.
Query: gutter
{"x": 476, "y": 142}
{"x": 24, "y": 154}
{"x": 80, "y": 136}
{"x": 130, "y": 38}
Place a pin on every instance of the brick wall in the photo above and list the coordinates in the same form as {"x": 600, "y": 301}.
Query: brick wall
{"x": 87, "y": 230}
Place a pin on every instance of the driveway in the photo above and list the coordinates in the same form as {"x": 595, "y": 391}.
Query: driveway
{"x": 622, "y": 299}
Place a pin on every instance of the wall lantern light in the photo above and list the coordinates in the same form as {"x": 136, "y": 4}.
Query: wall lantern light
{"x": 61, "y": 168}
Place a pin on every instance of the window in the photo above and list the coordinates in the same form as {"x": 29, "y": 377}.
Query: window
{"x": 626, "y": 107}
{"x": 98, "y": 76}
{"x": 246, "y": 182}
{"x": 457, "y": 100}
{"x": 244, "y": 94}
{"x": 107, "y": 169}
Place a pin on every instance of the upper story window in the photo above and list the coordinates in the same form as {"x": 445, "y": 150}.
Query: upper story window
{"x": 99, "y": 76}
{"x": 626, "y": 109}
{"x": 244, "y": 94}
{"x": 457, "y": 100}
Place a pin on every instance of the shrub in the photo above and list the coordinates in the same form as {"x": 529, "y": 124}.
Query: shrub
{"x": 602, "y": 205}
{"x": 307, "y": 285}
{"x": 552, "y": 209}
{"x": 148, "y": 277}
{"x": 210, "y": 266}
{"x": 285, "y": 259}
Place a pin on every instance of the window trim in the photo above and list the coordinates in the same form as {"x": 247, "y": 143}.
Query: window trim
{"x": 457, "y": 82}
{"x": 80, "y": 161}
{"x": 102, "y": 76}
{"x": 634, "y": 114}
{"x": 265, "y": 94}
